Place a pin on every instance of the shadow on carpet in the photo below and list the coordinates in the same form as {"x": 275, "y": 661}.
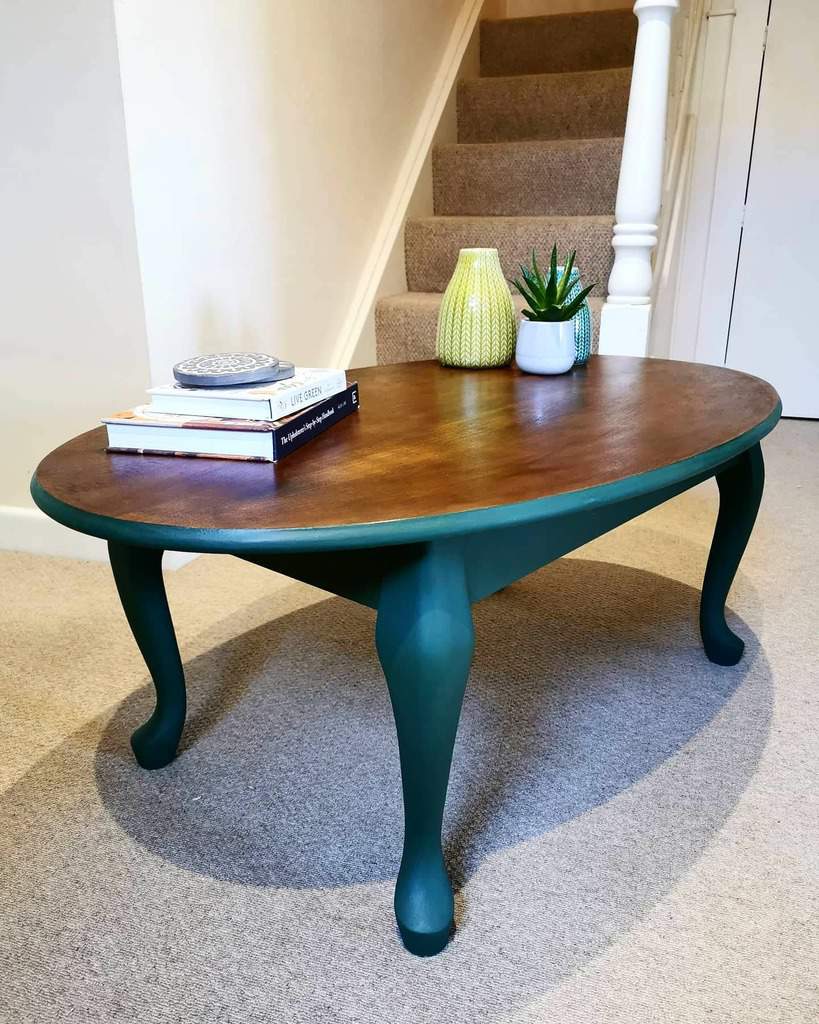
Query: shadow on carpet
{"x": 599, "y": 755}
{"x": 587, "y": 677}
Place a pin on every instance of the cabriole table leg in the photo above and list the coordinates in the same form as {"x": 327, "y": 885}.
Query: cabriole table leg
{"x": 740, "y": 492}
{"x": 425, "y": 640}
{"x": 138, "y": 575}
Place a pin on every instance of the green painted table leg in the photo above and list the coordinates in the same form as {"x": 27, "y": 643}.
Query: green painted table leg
{"x": 138, "y": 575}
{"x": 740, "y": 492}
{"x": 425, "y": 640}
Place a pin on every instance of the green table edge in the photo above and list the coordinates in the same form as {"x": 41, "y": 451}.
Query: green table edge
{"x": 387, "y": 533}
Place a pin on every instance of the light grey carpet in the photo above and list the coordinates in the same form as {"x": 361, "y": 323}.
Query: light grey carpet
{"x": 631, "y": 829}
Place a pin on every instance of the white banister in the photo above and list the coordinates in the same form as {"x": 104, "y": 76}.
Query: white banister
{"x": 625, "y": 319}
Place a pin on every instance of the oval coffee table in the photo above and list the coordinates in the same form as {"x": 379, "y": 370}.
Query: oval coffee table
{"x": 445, "y": 487}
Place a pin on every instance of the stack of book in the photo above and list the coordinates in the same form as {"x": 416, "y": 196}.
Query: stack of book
{"x": 259, "y": 422}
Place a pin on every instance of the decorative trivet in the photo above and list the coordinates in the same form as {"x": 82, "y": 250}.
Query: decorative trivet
{"x": 228, "y": 369}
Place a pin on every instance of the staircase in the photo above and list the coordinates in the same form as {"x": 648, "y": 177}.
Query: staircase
{"x": 540, "y": 137}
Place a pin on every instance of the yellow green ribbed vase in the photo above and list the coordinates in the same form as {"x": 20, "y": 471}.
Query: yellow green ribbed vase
{"x": 476, "y": 323}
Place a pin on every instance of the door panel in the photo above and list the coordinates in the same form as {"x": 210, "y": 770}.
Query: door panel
{"x": 773, "y": 331}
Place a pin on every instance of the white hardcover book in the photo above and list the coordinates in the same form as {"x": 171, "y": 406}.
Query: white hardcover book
{"x": 252, "y": 401}
{"x": 148, "y": 432}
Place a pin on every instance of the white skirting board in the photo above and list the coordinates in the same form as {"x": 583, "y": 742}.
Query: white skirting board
{"x": 30, "y": 530}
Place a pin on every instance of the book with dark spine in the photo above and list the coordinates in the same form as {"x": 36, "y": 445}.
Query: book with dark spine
{"x": 145, "y": 431}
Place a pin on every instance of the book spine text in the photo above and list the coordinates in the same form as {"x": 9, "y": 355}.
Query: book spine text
{"x": 301, "y": 428}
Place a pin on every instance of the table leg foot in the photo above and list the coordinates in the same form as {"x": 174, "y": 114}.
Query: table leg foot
{"x": 138, "y": 576}
{"x": 425, "y": 943}
{"x": 740, "y": 489}
{"x": 425, "y": 640}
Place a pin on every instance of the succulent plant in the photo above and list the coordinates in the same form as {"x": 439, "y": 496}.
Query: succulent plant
{"x": 546, "y": 296}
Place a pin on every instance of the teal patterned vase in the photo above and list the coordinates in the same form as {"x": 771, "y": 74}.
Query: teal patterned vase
{"x": 581, "y": 319}
{"x": 476, "y": 323}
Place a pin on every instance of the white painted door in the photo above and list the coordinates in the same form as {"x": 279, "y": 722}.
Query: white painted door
{"x": 774, "y": 331}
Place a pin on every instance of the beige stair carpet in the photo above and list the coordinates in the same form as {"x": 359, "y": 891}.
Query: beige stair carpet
{"x": 433, "y": 243}
{"x": 574, "y": 105}
{"x": 537, "y": 162}
{"x": 563, "y": 42}
{"x": 524, "y": 178}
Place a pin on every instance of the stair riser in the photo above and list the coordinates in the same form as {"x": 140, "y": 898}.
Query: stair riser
{"x": 569, "y": 42}
{"x": 432, "y": 246}
{"x": 578, "y": 106}
{"x": 404, "y": 334}
{"x": 522, "y": 179}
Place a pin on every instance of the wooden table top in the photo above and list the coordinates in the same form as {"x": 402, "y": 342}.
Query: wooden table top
{"x": 429, "y": 441}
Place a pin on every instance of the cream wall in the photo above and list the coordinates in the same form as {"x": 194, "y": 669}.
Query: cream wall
{"x": 263, "y": 144}
{"x": 394, "y": 277}
{"x": 264, "y": 141}
{"x": 72, "y": 334}
{"x": 233, "y": 174}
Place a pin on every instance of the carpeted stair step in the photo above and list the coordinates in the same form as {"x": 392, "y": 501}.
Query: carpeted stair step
{"x": 558, "y": 42}
{"x": 405, "y": 325}
{"x": 566, "y": 177}
{"x": 575, "y": 105}
{"x": 432, "y": 245}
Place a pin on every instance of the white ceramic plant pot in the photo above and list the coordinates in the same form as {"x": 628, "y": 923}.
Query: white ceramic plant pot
{"x": 544, "y": 347}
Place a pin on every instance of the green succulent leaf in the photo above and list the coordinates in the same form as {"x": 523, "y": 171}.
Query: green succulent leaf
{"x": 533, "y": 271}
{"x": 566, "y": 279}
{"x": 535, "y": 286}
{"x": 535, "y": 267}
{"x": 572, "y": 308}
{"x": 527, "y": 295}
{"x": 547, "y": 297}
{"x": 551, "y": 286}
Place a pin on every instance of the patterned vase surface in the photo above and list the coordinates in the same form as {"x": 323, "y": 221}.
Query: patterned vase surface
{"x": 581, "y": 320}
{"x": 476, "y": 324}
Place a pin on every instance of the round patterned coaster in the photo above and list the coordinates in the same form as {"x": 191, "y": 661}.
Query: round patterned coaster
{"x": 227, "y": 369}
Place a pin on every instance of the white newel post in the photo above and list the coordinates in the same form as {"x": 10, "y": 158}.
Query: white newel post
{"x": 626, "y": 312}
